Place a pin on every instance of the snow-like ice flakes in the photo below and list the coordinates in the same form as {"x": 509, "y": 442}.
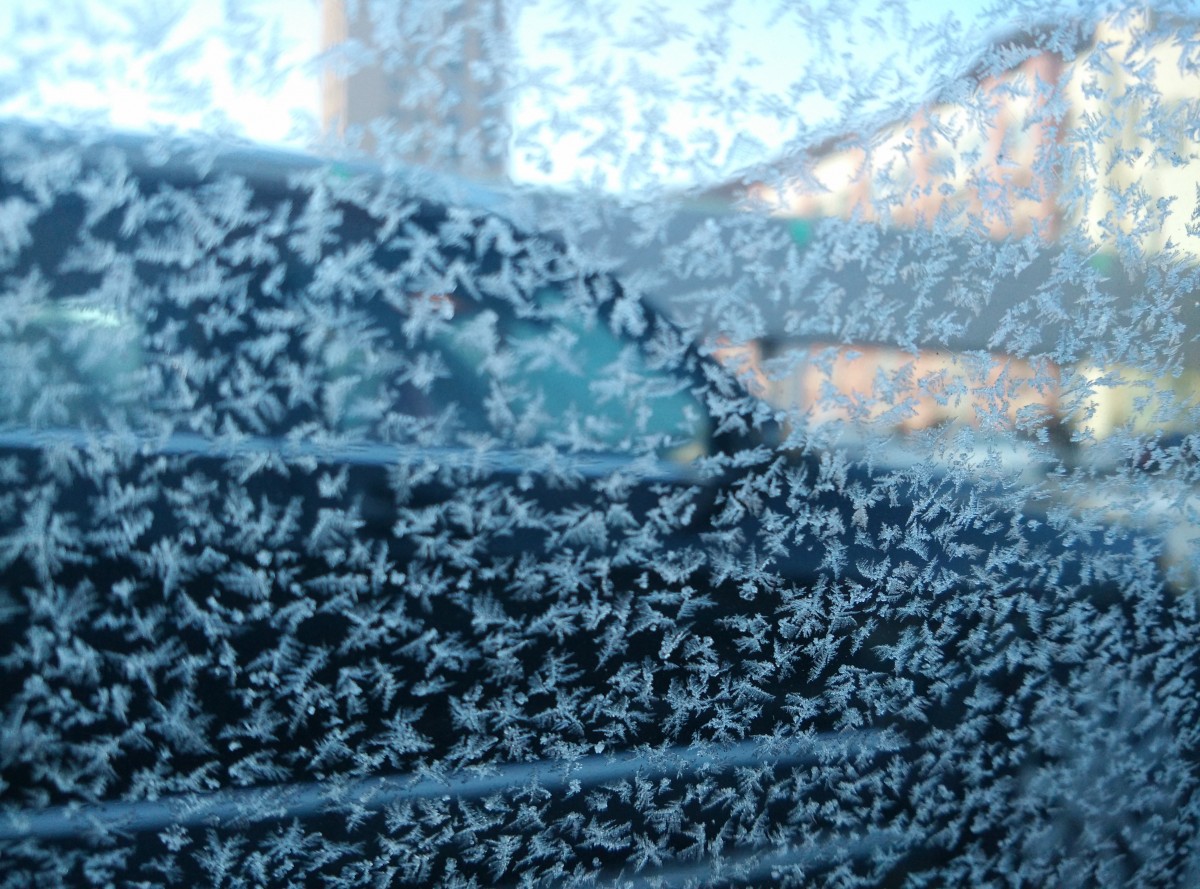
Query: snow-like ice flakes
{"x": 631, "y": 444}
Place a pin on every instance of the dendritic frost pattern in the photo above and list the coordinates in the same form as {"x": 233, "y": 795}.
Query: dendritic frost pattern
{"x": 827, "y": 519}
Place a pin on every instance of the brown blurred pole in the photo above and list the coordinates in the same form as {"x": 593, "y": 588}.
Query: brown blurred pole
{"x": 431, "y": 92}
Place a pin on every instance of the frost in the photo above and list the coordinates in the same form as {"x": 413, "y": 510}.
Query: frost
{"x": 610, "y": 453}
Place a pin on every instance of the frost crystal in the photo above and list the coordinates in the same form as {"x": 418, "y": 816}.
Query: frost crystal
{"x": 614, "y": 451}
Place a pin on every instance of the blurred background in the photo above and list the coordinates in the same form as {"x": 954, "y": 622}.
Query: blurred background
{"x": 912, "y": 216}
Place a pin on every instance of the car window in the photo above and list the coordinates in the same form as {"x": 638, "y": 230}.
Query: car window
{"x": 388, "y": 364}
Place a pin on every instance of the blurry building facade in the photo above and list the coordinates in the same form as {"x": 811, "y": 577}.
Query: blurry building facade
{"x": 1099, "y": 139}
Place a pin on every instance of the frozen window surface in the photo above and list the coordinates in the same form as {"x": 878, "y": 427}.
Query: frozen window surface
{"x": 533, "y": 443}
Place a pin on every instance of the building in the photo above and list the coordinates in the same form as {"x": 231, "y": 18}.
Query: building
{"x": 1097, "y": 138}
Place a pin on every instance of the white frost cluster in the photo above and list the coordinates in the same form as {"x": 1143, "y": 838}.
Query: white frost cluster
{"x": 831, "y": 519}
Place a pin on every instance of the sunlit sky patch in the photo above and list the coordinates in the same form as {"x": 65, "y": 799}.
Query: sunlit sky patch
{"x": 770, "y": 76}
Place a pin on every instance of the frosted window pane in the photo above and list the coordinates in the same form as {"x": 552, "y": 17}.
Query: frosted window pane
{"x": 546, "y": 443}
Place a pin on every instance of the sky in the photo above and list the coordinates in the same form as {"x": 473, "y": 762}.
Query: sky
{"x": 247, "y": 67}
{"x": 247, "y": 60}
{"x": 729, "y": 114}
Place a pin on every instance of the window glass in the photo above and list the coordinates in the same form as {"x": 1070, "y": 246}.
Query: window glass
{"x": 599, "y": 442}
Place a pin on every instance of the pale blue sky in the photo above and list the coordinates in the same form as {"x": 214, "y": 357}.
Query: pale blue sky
{"x": 736, "y": 111}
